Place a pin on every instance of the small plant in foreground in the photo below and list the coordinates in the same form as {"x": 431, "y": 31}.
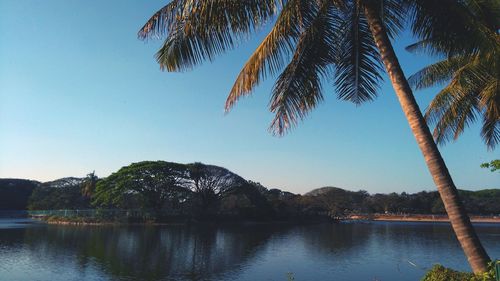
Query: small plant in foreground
{"x": 441, "y": 273}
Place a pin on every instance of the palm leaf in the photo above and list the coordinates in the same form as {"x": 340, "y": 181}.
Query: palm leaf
{"x": 460, "y": 34}
{"x": 199, "y": 30}
{"x": 358, "y": 65}
{"x": 490, "y": 131}
{"x": 490, "y": 104}
{"x": 298, "y": 89}
{"x": 270, "y": 55}
{"x": 161, "y": 22}
{"x": 438, "y": 73}
{"x": 394, "y": 15}
{"x": 452, "y": 111}
{"x": 473, "y": 90}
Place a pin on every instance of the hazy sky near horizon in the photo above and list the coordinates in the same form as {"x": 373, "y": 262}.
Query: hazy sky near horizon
{"x": 79, "y": 92}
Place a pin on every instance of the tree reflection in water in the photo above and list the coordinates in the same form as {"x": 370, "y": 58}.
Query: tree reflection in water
{"x": 154, "y": 253}
{"x": 371, "y": 251}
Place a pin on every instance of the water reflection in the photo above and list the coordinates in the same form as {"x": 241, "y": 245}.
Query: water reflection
{"x": 373, "y": 251}
{"x": 152, "y": 253}
{"x": 387, "y": 251}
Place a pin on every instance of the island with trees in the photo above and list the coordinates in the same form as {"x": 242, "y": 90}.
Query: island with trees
{"x": 166, "y": 192}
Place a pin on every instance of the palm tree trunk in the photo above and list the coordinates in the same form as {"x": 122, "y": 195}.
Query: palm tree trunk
{"x": 466, "y": 235}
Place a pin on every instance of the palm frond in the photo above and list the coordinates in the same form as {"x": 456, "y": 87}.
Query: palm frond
{"x": 358, "y": 66}
{"x": 473, "y": 90}
{"x": 270, "y": 55}
{"x": 460, "y": 33}
{"x": 438, "y": 73}
{"x": 452, "y": 110}
{"x": 490, "y": 132}
{"x": 426, "y": 46}
{"x": 198, "y": 30}
{"x": 486, "y": 11}
{"x": 394, "y": 15}
{"x": 490, "y": 97}
{"x": 161, "y": 22}
{"x": 298, "y": 89}
{"x": 490, "y": 104}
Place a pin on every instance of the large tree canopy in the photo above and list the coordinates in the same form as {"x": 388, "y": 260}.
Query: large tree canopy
{"x": 160, "y": 184}
{"x": 210, "y": 182}
{"x": 145, "y": 184}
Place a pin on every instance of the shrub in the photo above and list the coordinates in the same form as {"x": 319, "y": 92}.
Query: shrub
{"x": 441, "y": 273}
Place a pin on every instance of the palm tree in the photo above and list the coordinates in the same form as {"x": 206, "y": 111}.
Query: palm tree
{"x": 473, "y": 76}
{"x": 88, "y": 185}
{"x": 346, "y": 41}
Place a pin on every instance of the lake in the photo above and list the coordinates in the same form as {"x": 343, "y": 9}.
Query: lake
{"x": 250, "y": 252}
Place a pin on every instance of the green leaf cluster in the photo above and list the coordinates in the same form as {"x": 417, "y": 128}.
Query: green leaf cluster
{"x": 147, "y": 184}
{"x": 494, "y": 165}
{"x": 441, "y": 273}
{"x": 469, "y": 68}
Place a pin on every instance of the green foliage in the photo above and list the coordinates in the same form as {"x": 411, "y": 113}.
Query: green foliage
{"x": 246, "y": 202}
{"x": 61, "y": 194}
{"x": 88, "y": 185}
{"x": 209, "y": 183}
{"x": 441, "y": 273}
{"x": 337, "y": 202}
{"x": 196, "y": 188}
{"x": 482, "y": 201}
{"x": 494, "y": 165}
{"x": 145, "y": 185}
{"x": 206, "y": 191}
{"x": 485, "y": 193}
{"x": 15, "y": 193}
{"x": 469, "y": 67}
{"x": 334, "y": 201}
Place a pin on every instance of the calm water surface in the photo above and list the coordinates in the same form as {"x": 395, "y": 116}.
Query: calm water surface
{"x": 352, "y": 251}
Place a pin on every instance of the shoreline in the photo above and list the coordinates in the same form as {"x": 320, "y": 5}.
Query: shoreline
{"x": 351, "y": 218}
{"x": 75, "y": 221}
{"x": 421, "y": 218}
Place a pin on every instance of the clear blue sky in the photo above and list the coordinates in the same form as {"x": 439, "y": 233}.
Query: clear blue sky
{"x": 79, "y": 92}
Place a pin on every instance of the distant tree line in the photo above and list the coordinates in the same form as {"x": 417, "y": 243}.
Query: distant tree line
{"x": 203, "y": 191}
{"x": 15, "y": 193}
